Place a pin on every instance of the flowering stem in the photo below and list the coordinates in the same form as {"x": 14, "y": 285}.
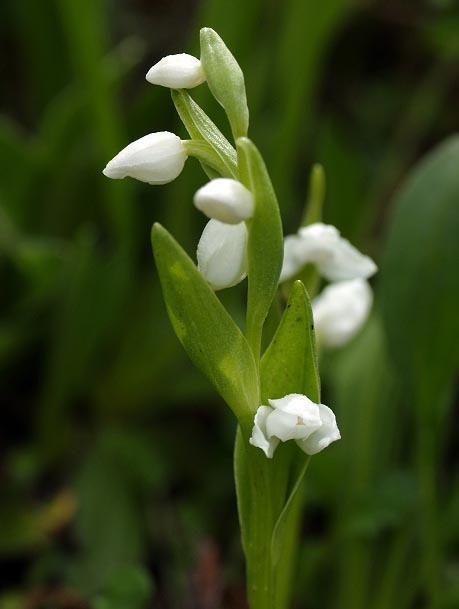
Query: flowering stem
{"x": 255, "y": 503}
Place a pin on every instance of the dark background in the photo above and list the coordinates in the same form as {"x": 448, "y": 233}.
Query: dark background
{"x": 116, "y": 471}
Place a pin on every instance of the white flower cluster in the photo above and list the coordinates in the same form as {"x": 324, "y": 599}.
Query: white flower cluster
{"x": 294, "y": 417}
{"x": 343, "y": 306}
{"x": 158, "y": 158}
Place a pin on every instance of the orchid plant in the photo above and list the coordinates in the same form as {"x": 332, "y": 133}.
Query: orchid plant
{"x": 274, "y": 393}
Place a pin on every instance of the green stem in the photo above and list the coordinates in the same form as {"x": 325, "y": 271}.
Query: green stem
{"x": 260, "y": 580}
{"x": 207, "y": 155}
{"x": 254, "y": 483}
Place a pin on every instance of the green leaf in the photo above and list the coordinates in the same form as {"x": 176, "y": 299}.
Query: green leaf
{"x": 207, "y": 332}
{"x": 419, "y": 293}
{"x": 200, "y": 127}
{"x": 225, "y": 80}
{"x": 289, "y": 365}
{"x": 265, "y": 245}
{"x": 282, "y": 524}
{"x": 419, "y": 279}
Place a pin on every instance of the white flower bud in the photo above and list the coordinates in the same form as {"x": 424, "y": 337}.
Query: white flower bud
{"x": 222, "y": 254}
{"x": 180, "y": 71}
{"x": 226, "y": 200}
{"x": 294, "y": 417}
{"x": 335, "y": 258}
{"x": 156, "y": 158}
{"x": 340, "y": 311}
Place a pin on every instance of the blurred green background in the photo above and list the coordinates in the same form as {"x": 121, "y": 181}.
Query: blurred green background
{"x": 116, "y": 485}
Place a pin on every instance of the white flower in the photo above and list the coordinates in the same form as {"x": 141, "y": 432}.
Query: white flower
{"x": 156, "y": 158}
{"x": 226, "y": 200}
{"x": 222, "y": 254}
{"x": 180, "y": 71}
{"x": 322, "y": 245}
{"x": 340, "y": 310}
{"x": 294, "y": 417}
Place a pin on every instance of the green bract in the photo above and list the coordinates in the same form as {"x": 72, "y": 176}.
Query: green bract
{"x": 205, "y": 329}
{"x": 265, "y": 248}
{"x": 225, "y": 80}
{"x": 200, "y": 127}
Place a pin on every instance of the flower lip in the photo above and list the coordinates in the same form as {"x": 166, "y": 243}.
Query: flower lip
{"x": 180, "y": 71}
{"x": 156, "y": 158}
{"x": 226, "y": 200}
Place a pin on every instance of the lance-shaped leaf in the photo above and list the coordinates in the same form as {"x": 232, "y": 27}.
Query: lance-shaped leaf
{"x": 225, "y": 80}
{"x": 290, "y": 366}
{"x": 419, "y": 279}
{"x": 207, "y": 332}
{"x": 200, "y": 127}
{"x": 265, "y": 245}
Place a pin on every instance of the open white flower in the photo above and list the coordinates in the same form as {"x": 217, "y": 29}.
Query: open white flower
{"x": 322, "y": 245}
{"x": 294, "y": 417}
{"x": 340, "y": 311}
{"x": 181, "y": 71}
{"x": 156, "y": 158}
{"x": 222, "y": 254}
{"x": 225, "y": 200}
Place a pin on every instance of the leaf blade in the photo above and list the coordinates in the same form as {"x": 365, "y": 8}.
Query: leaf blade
{"x": 207, "y": 332}
{"x": 200, "y": 126}
{"x": 265, "y": 244}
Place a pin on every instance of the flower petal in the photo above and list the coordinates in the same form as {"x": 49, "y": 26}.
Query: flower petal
{"x": 156, "y": 158}
{"x": 292, "y": 263}
{"x": 259, "y": 437}
{"x": 226, "y": 200}
{"x": 336, "y": 259}
{"x": 181, "y": 71}
{"x": 294, "y": 416}
{"x": 222, "y": 254}
{"x": 340, "y": 311}
{"x": 327, "y": 433}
